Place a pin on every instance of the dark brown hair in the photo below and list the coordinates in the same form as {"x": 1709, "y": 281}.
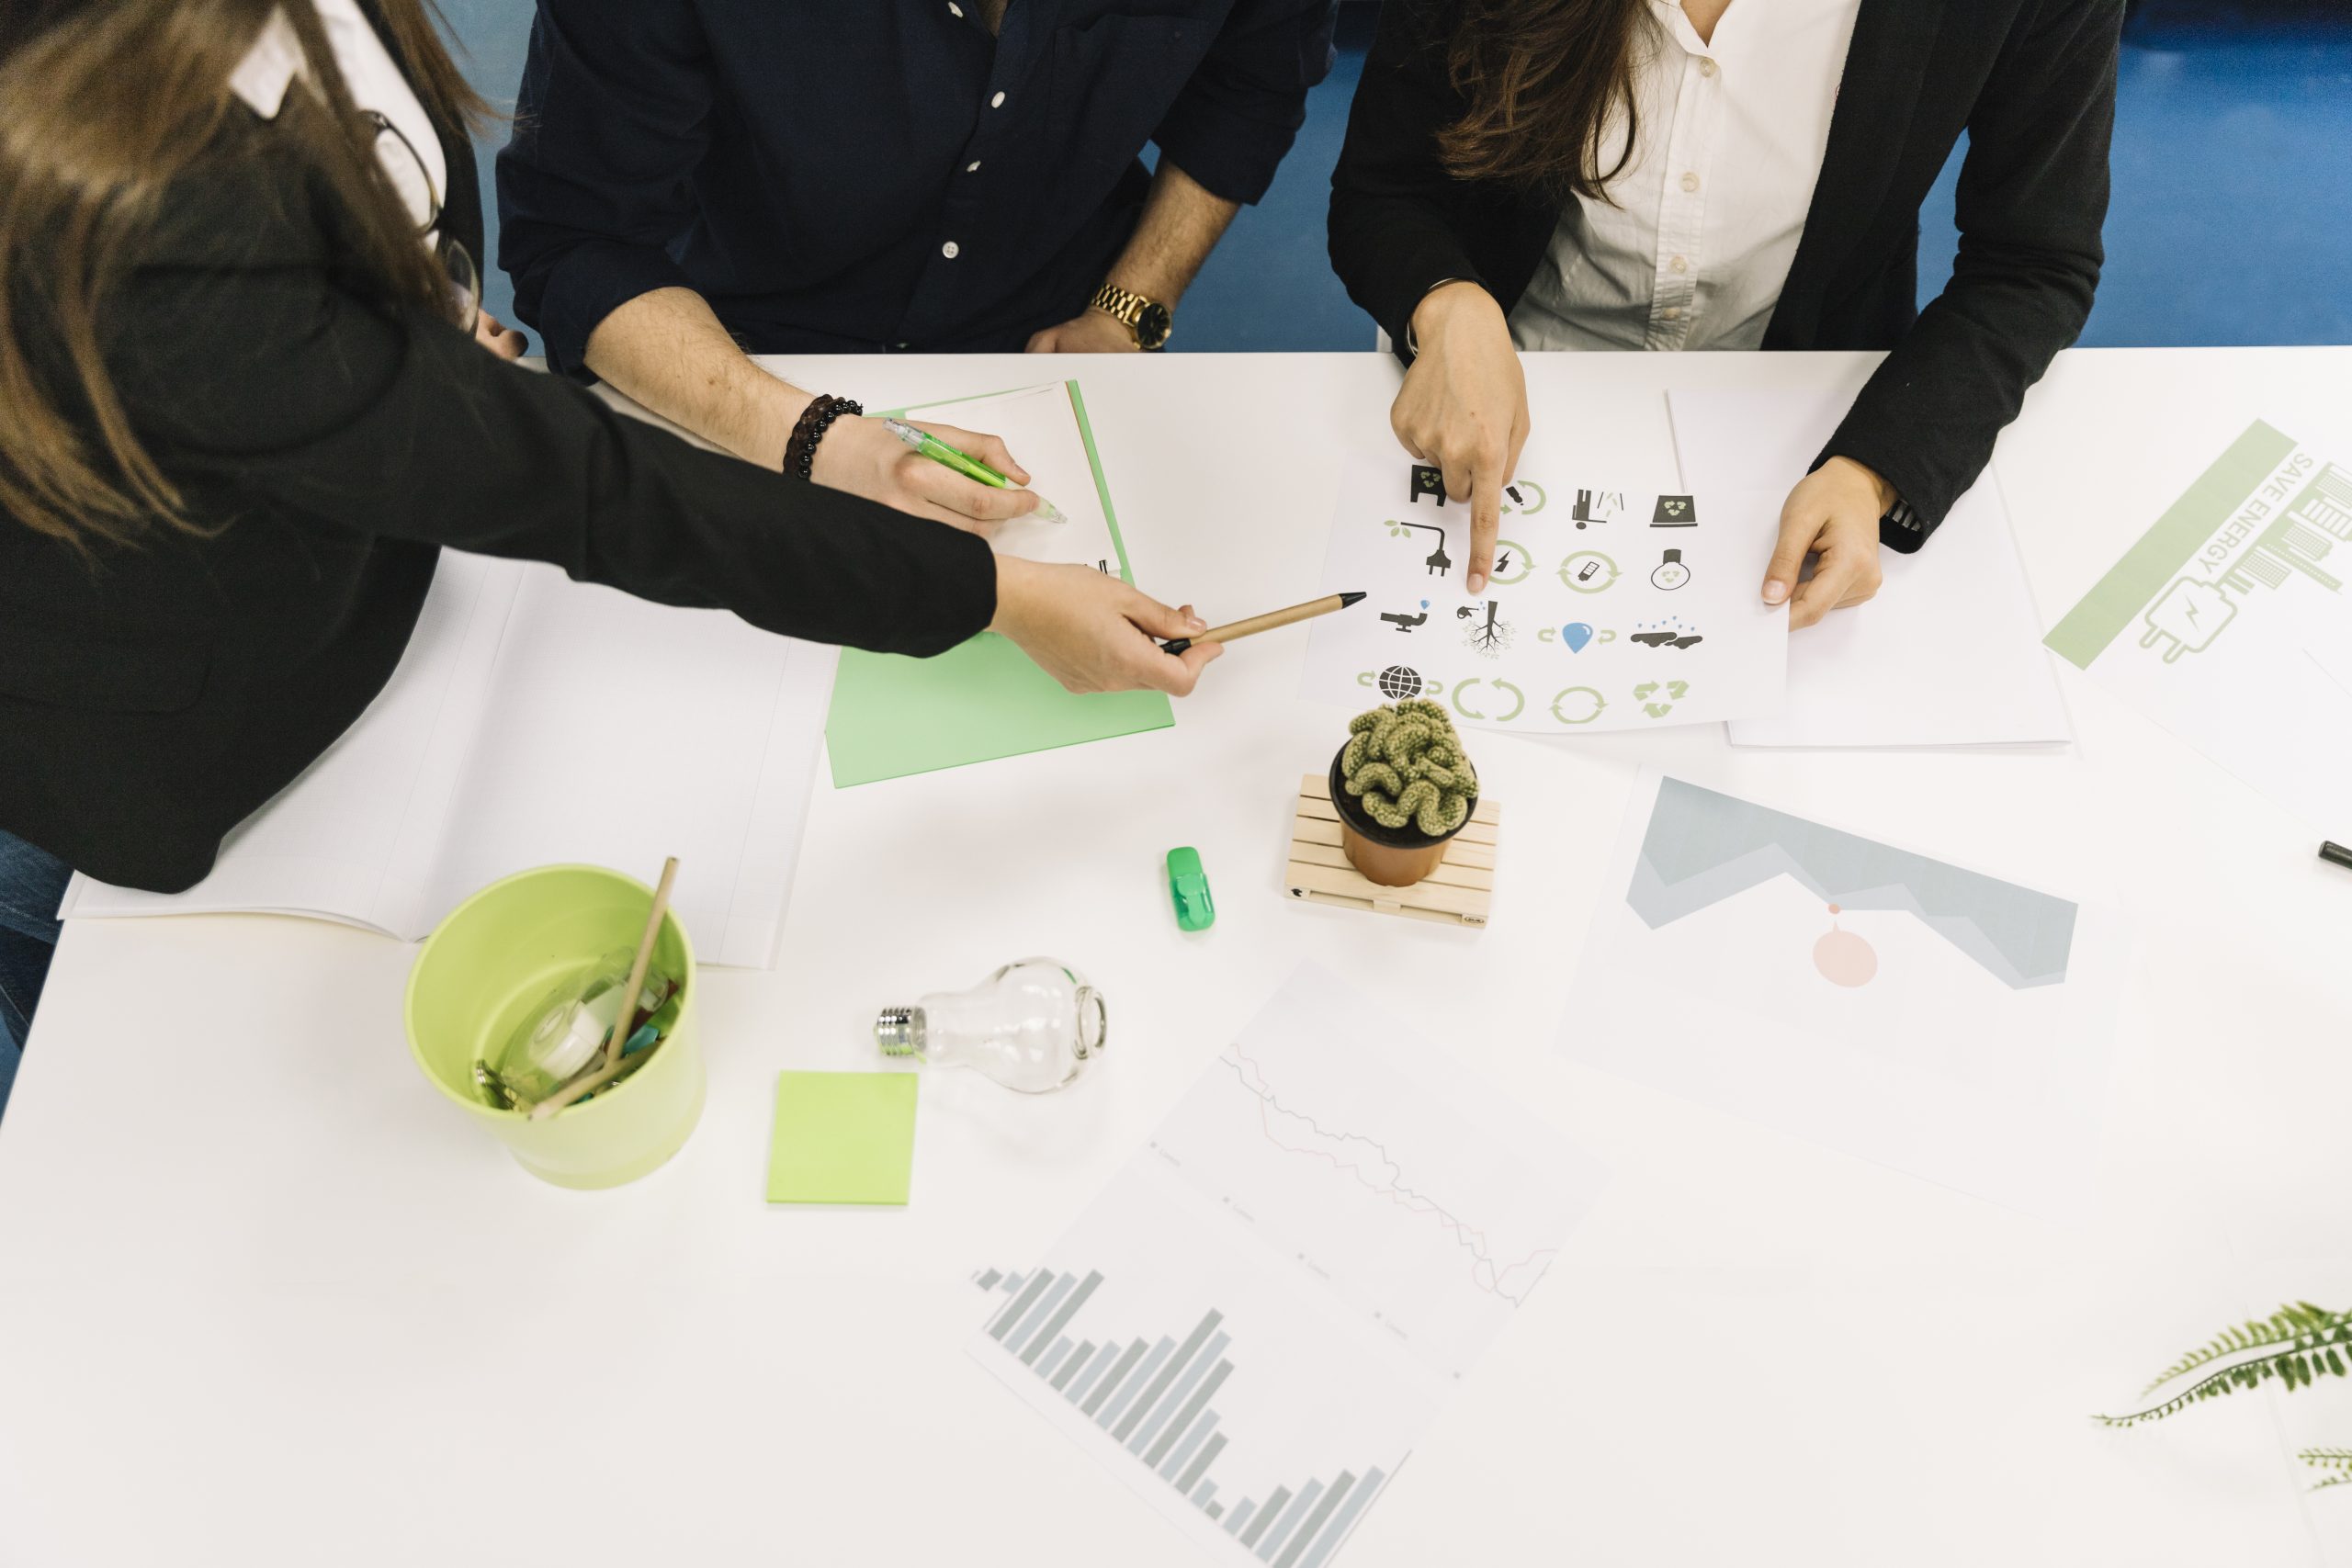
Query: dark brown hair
{"x": 107, "y": 104}
{"x": 1543, "y": 80}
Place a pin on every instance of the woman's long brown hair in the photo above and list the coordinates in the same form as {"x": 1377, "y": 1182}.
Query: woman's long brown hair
{"x": 1543, "y": 80}
{"x": 106, "y": 103}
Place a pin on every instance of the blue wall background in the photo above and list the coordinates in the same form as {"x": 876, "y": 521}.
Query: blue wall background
{"x": 2231, "y": 222}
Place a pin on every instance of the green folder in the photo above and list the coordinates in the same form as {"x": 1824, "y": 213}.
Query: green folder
{"x": 893, "y": 715}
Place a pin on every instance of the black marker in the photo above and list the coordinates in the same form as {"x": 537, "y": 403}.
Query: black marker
{"x": 2336, "y": 855}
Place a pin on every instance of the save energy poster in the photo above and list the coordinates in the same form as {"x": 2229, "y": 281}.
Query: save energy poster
{"x": 1608, "y": 609}
{"x": 2225, "y": 621}
{"x": 1940, "y": 1020}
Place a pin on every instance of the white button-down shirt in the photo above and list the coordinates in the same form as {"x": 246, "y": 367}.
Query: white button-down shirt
{"x": 274, "y": 63}
{"x": 1709, "y": 210}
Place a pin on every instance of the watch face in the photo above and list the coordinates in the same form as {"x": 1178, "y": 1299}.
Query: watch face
{"x": 1153, "y": 326}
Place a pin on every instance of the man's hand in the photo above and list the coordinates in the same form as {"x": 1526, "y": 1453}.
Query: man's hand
{"x": 1093, "y": 633}
{"x": 861, "y": 457}
{"x": 1464, "y": 406}
{"x": 496, "y": 337}
{"x": 1089, "y": 331}
{"x": 1832, "y": 514}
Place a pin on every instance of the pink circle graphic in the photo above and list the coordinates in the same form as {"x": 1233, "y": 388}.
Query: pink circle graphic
{"x": 1845, "y": 959}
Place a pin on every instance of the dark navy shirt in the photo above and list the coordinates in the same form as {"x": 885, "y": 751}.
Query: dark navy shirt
{"x": 841, "y": 175}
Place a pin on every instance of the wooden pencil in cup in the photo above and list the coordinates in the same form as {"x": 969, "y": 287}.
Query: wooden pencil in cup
{"x": 604, "y": 1071}
{"x": 1267, "y": 622}
{"x": 619, "y": 1036}
{"x": 613, "y": 1063}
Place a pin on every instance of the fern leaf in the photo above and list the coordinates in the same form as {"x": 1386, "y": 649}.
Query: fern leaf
{"x": 2327, "y": 1459}
{"x": 2293, "y": 1366}
{"x": 2289, "y": 1322}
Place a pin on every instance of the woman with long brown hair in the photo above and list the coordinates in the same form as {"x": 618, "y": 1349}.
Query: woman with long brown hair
{"x": 246, "y": 401}
{"x": 1727, "y": 173}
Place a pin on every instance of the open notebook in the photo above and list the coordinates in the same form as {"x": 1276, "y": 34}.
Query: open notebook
{"x": 983, "y": 699}
{"x": 497, "y": 747}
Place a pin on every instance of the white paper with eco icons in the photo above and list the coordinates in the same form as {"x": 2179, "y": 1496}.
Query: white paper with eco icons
{"x": 1627, "y": 608}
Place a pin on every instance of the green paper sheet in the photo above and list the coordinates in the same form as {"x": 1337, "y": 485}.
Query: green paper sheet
{"x": 843, "y": 1138}
{"x": 893, "y": 715}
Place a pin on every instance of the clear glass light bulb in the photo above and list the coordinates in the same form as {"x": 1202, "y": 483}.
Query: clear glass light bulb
{"x": 1033, "y": 1026}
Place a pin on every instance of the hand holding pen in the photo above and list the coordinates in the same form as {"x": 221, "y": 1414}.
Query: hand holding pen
{"x": 867, "y": 458}
{"x": 960, "y": 452}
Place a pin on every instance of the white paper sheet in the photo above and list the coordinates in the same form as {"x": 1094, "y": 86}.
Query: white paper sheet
{"x": 1039, "y": 426}
{"x": 1624, "y": 608}
{"x": 1274, "y": 1297}
{"x": 2225, "y": 621}
{"x": 1948, "y": 654}
{"x": 1876, "y": 1001}
{"x": 493, "y": 749}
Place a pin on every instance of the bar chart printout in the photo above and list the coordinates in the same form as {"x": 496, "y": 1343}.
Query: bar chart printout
{"x": 1240, "y": 1327}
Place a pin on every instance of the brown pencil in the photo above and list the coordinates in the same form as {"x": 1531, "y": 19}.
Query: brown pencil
{"x": 1266, "y": 622}
{"x": 644, "y": 961}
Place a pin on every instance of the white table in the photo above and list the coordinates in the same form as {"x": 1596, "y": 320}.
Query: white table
{"x": 265, "y": 1299}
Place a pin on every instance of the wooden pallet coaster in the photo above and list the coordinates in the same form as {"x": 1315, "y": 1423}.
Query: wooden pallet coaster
{"x": 1456, "y": 892}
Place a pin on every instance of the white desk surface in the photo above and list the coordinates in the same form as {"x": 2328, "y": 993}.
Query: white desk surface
{"x": 265, "y": 1299}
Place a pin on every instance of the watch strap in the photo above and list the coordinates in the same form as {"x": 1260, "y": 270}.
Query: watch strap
{"x": 1124, "y": 305}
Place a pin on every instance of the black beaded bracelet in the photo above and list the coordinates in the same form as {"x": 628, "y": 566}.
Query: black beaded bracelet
{"x": 801, "y": 451}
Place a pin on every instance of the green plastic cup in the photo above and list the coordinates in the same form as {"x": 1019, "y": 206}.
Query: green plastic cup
{"x": 493, "y": 960}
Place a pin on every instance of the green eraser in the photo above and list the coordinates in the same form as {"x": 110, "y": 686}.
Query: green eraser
{"x": 1188, "y": 890}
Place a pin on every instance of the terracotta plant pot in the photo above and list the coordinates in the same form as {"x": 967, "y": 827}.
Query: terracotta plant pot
{"x": 1393, "y": 857}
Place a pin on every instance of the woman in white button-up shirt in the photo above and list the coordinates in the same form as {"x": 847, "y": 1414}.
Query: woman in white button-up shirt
{"x": 1736, "y": 174}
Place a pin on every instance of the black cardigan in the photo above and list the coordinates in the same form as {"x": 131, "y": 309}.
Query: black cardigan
{"x": 152, "y": 698}
{"x": 2031, "y": 82}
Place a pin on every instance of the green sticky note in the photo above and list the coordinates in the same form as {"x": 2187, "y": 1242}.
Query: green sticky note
{"x": 843, "y": 1138}
{"x": 893, "y": 715}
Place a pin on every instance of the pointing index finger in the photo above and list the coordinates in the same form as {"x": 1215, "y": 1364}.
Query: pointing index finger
{"x": 1486, "y": 522}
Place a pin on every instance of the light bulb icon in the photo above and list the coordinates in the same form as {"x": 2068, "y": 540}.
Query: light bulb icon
{"x": 1670, "y": 573}
{"x": 1033, "y": 1026}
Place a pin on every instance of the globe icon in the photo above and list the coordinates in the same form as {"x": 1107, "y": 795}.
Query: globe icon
{"x": 1398, "y": 684}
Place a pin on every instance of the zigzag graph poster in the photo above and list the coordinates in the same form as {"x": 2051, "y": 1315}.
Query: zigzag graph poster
{"x": 2227, "y": 622}
{"x": 1883, "y": 1002}
{"x": 1608, "y": 609}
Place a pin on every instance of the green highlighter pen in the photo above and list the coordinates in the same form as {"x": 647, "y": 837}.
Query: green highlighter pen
{"x": 971, "y": 467}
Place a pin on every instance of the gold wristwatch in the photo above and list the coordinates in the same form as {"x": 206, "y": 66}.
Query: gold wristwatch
{"x": 1149, "y": 321}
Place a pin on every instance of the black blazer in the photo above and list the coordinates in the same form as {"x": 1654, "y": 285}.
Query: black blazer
{"x": 329, "y": 445}
{"x": 2031, "y": 82}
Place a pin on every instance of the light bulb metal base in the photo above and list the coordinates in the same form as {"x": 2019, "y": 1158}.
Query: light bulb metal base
{"x": 899, "y": 1031}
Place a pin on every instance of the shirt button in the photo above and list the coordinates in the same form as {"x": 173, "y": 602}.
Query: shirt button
{"x": 1689, "y": 182}
{"x": 1680, "y": 263}
{"x": 973, "y": 167}
{"x": 1706, "y": 67}
{"x": 1672, "y": 312}
{"x": 997, "y": 102}
{"x": 950, "y": 250}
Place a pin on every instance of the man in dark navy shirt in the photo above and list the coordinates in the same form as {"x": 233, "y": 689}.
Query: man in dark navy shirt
{"x": 693, "y": 180}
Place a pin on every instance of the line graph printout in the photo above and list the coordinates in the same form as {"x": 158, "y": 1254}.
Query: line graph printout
{"x": 1254, "y": 1321}
{"x": 1871, "y": 997}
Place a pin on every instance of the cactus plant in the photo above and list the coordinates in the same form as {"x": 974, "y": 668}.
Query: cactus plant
{"x": 1406, "y": 764}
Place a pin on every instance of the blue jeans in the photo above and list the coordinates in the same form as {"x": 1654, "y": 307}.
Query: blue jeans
{"x": 31, "y": 883}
